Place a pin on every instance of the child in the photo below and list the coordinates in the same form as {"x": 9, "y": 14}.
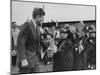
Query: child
{"x": 51, "y": 50}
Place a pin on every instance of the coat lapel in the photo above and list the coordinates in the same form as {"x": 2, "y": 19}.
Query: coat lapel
{"x": 35, "y": 30}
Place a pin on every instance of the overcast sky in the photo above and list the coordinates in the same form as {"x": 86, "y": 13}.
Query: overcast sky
{"x": 21, "y": 11}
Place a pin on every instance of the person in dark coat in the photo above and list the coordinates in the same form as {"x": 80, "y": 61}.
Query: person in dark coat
{"x": 80, "y": 54}
{"x": 14, "y": 34}
{"x": 63, "y": 59}
{"x": 29, "y": 43}
{"x": 91, "y": 49}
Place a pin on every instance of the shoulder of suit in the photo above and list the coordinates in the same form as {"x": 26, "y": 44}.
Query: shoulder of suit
{"x": 26, "y": 24}
{"x": 25, "y": 28}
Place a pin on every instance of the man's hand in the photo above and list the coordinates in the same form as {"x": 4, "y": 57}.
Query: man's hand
{"x": 13, "y": 53}
{"x": 24, "y": 63}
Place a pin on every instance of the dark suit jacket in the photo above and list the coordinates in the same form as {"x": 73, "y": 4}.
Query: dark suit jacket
{"x": 63, "y": 59}
{"x": 28, "y": 44}
{"x": 80, "y": 60}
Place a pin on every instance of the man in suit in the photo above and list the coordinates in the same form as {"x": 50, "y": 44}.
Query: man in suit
{"x": 29, "y": 43}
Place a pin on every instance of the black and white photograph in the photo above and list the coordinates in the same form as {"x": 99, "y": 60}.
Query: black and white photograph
{"x": 52, "y": 37}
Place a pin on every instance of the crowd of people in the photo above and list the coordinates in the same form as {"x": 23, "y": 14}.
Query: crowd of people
{"x": 68, "y": 48}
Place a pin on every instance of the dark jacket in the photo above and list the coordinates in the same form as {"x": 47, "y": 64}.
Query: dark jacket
{"x": 28, "y": 44}
{"x": 63, "y": 59}
{"x": 80, "y": 59}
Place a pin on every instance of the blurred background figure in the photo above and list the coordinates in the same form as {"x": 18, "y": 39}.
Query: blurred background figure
{"x": 14, "y": 35}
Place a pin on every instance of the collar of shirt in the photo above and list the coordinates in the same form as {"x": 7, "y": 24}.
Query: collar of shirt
{"x": 34, "y": 23}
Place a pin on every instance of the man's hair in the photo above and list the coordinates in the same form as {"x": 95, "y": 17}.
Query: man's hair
{"x": 38, "y": 12}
